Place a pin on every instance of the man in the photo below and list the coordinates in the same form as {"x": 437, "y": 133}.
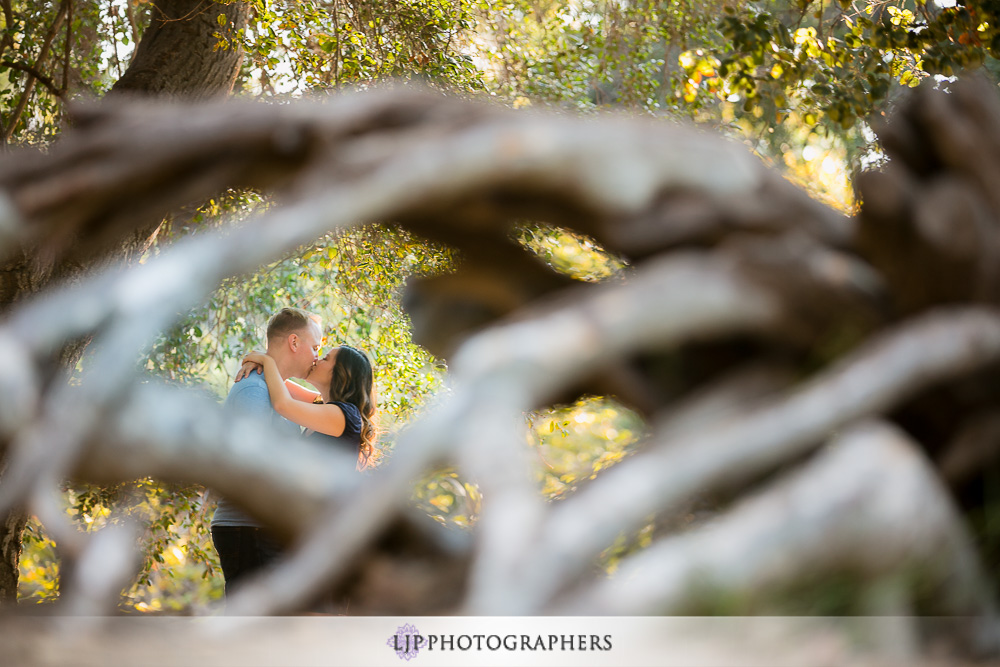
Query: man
{"x": 293, "y": 340}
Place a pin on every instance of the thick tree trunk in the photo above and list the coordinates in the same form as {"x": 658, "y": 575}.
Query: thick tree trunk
{"x": 11, "y": 530}
{"x": 180, "y": 55}
{"x": 189, "y": 50}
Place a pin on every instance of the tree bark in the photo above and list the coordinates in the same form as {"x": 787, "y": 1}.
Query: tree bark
{"x": 11, "y": 531}
{"x": 189, "y": 50}
{"x": 186, "y": 52}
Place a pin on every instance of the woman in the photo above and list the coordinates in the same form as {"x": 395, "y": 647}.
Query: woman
{"x": 346, "y": 415}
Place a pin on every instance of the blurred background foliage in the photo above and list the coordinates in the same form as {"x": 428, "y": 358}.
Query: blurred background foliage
{"x": 798, "y": 81}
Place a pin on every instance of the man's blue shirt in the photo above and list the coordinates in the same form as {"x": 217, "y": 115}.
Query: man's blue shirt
{"x": 249, "y": 397}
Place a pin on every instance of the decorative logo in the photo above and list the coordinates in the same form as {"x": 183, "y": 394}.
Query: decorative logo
{"x": 406, "y": 642}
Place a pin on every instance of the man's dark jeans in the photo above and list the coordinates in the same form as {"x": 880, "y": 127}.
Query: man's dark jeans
{"x": 242, "y": 551}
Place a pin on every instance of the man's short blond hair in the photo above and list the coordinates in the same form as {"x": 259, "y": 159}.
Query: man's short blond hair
{"x": 288, "y": 321}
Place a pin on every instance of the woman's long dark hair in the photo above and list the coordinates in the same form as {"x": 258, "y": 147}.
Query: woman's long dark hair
{"x": 352, "y": 381}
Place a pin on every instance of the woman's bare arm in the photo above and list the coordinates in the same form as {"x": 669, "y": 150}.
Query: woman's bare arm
{"x": 297, "y": 391}
{"x": 300, "y": 393}
{"x": 324, "y": 418}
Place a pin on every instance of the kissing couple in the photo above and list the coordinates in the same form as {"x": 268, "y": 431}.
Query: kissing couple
{"x": 339, "y": 412}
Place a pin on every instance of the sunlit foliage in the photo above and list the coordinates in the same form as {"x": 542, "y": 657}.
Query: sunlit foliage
{"x": 296, "y": 46}
{"x": 180, "y": 566}
{"x": 576, "y": 442}
{"x": 596, "y": 53}
{"x": 570, "y": 253}
{"x": 52, "y": 53}
{"x": 840, "y": 61}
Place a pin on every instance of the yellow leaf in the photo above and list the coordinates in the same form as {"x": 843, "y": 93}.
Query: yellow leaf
{"x": 804, "y": 35}
{"x": 442, "y": 502}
